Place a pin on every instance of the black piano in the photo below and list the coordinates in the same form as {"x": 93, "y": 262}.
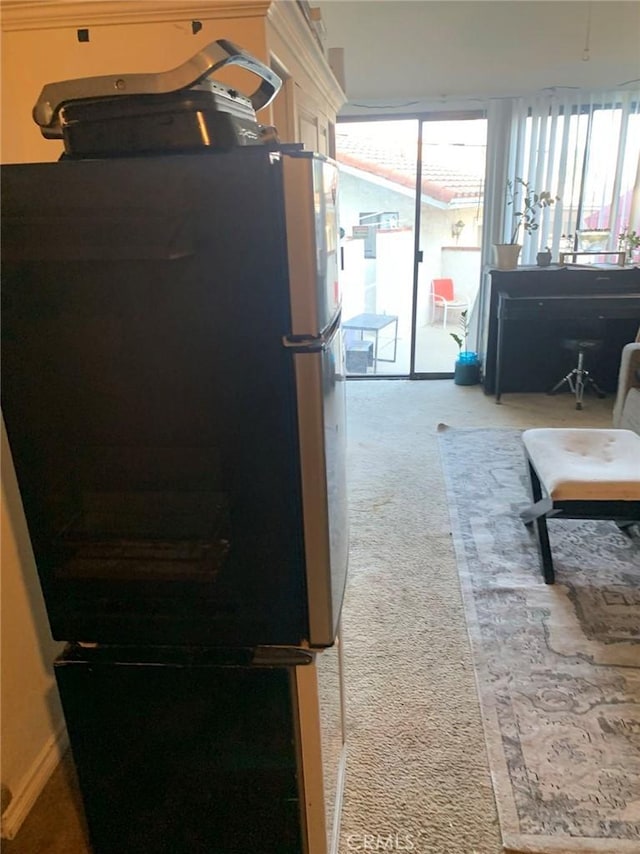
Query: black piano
{"x": 531, "y": 310}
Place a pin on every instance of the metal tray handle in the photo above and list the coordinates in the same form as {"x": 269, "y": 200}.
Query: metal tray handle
{"x": 46, "y": 112}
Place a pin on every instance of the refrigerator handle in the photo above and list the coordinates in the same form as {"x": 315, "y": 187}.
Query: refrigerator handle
{"x": 305, "y": 343}
{"x": 312, "y": 343}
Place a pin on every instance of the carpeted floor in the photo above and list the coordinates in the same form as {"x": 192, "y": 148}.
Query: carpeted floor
{"x": 558, "y": 666}
{"x": 417, "y": 764}
{"x": 417, "y": 771}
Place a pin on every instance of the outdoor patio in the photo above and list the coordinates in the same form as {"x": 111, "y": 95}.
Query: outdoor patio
{"x": 433, "y": 341}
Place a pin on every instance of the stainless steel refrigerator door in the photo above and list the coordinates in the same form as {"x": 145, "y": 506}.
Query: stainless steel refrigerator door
{"x": 319, "y": 700}
{"x": 311, "y": 212}
{"x": 310, "y": 196}
{"x": 321, "y": 397}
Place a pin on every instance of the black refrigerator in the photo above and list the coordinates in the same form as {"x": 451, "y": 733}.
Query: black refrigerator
{"x": 174, "y": 396}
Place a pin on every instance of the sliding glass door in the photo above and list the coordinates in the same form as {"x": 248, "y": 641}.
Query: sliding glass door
{"x": 452, "y": 169}
{"x": 378, "y": 162}
{"x": 411, "y": 215}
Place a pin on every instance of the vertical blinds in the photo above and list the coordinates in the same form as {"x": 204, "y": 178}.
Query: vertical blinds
{"x": 583, "y": 149}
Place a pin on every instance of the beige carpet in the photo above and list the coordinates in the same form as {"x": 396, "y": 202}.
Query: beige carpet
{"x": 417, "y": 763}
{"x": 417, "y": 770}
{"x": 558, "y": 666}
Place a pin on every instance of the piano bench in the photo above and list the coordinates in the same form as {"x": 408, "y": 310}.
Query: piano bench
{"x": 580, "y": 474}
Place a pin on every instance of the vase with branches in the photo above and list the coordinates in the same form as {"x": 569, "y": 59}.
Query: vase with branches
{"x": 461, "y": 340}
{"x": 527, "y": 205}
{"x": 629, "y": 242}
{"x": 530, "y": 203}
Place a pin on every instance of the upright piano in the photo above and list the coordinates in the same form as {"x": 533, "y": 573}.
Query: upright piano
{"x": 529, "y": 311}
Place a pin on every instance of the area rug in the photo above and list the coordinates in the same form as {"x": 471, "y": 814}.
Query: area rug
{"x": 557, "y": 666}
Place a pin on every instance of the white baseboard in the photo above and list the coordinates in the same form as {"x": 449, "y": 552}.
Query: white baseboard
{"x": 33, "y": 783}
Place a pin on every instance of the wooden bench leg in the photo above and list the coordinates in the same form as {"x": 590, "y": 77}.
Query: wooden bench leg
{"x": 545, "y": 550}
{"x": 537, "y": 514}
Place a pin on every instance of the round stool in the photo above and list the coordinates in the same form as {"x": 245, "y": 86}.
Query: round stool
{"x": 579, "y": 377}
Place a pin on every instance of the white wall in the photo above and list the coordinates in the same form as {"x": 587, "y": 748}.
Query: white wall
{"x": 32, "y": 724}
{"x": 462, "y": 264}
{"x": 425, "y": 54}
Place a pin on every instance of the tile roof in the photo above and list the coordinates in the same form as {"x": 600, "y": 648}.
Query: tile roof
{"x": 446, "y": 175}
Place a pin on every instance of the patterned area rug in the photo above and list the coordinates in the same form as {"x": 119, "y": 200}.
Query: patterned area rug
{"x": 557, "y": 667}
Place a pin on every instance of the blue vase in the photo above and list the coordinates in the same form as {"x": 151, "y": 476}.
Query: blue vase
{"x": 467, "y": 368}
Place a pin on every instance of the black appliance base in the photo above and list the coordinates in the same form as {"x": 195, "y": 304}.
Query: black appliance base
{"x": 178, "y": 753}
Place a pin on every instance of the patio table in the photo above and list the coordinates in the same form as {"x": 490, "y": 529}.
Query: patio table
{"x": 374, "y": 323}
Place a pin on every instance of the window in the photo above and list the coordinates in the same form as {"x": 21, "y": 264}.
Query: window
{"x": 586, "y": 155}
{"x": 381, "y": 219}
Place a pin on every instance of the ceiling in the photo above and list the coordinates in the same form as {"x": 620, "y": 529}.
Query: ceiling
{"x": 404, "y": 56}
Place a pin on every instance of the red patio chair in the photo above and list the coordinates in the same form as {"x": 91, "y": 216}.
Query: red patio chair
{"x": 443, "y": 296}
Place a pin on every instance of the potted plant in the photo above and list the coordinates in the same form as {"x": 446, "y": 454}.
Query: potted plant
{"x": 543, "y": 258}
{"x": 530, "y": 203}
{"x": 629, "y": 241}
{"x": 467, "y": 366}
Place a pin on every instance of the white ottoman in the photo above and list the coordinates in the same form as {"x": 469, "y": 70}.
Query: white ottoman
{"x": 581, "y": 474}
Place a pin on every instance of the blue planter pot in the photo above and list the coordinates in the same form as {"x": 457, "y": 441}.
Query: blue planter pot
{"x": 467, "y": 369}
